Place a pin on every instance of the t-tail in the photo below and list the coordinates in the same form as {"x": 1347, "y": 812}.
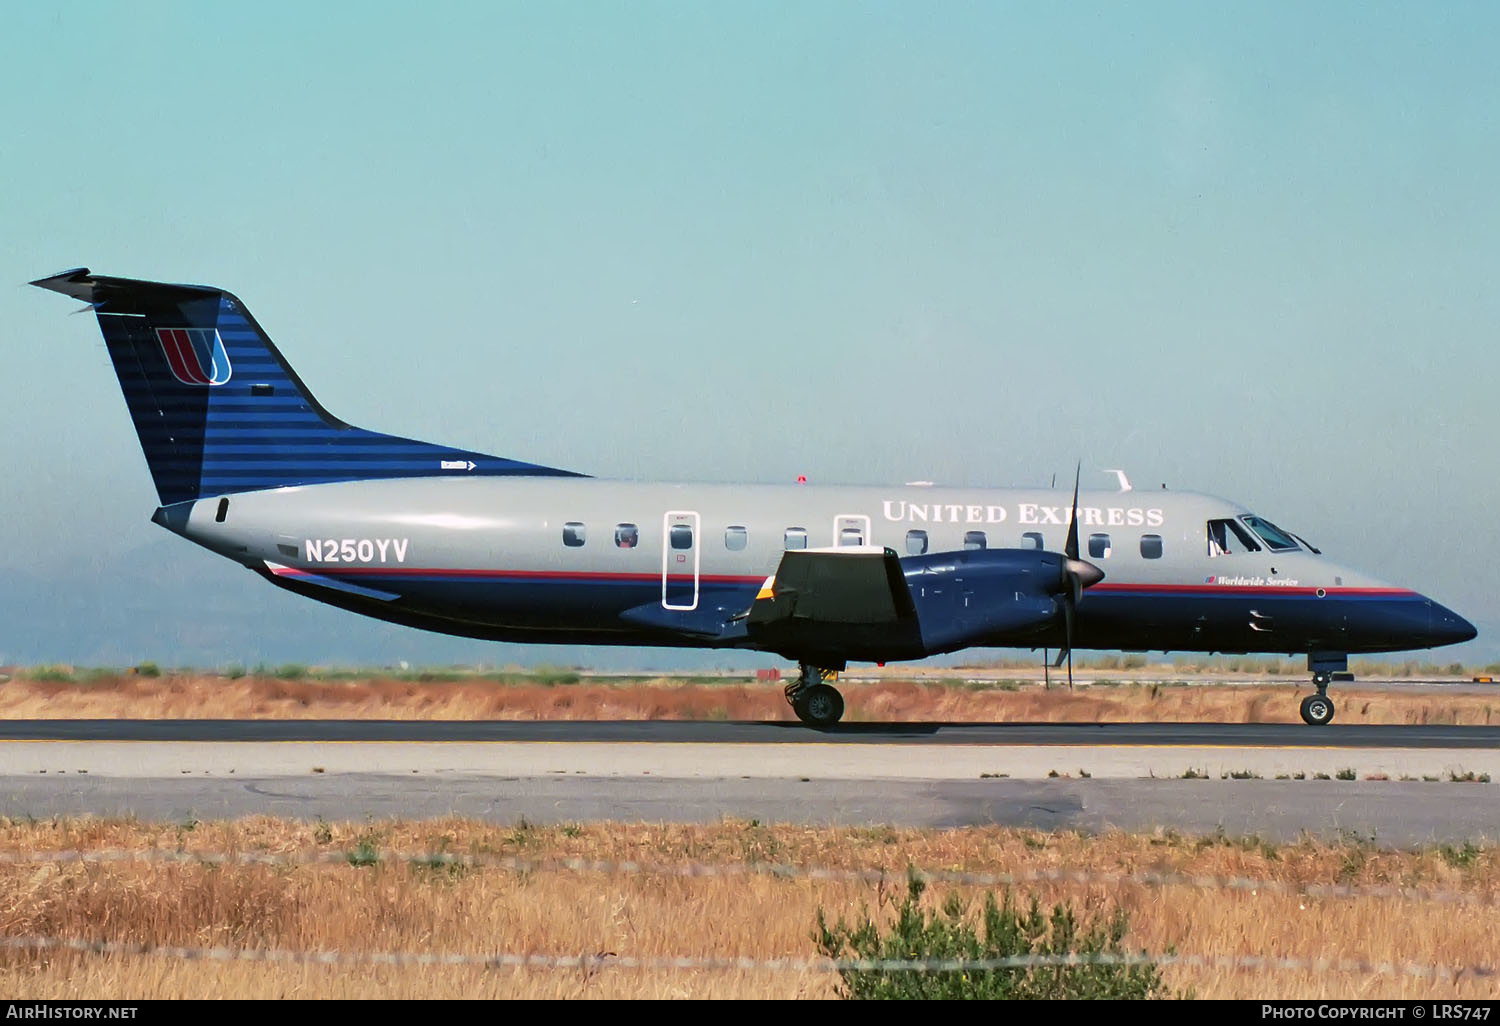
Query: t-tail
{"x": 219, "y": 410}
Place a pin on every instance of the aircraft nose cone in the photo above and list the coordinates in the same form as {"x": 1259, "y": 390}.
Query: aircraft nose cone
{"x": 1445, "y": 627}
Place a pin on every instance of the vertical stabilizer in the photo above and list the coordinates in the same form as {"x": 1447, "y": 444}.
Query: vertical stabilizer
{"x": 219, "y": 410}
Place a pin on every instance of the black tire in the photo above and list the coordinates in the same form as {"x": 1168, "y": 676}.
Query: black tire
{"x": 819, "y": 706}
{"x": 1317, "y": 710}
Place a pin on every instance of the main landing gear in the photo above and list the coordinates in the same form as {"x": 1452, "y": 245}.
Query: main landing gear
{"x": 1318, "y": 709}
{"x": 816, "y": 703}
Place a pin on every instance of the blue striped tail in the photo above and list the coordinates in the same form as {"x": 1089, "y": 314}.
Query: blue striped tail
{"x": 219, "y": 410}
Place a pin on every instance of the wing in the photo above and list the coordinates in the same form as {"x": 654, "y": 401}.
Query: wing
{"x": 846, "y": 585}
{"x": 828, "y": 606}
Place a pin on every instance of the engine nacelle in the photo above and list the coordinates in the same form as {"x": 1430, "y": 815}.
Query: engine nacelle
{"x": 972, "y": 596}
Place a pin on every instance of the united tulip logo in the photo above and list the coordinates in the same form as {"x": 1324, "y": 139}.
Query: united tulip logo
{"x": 196, "y": 356}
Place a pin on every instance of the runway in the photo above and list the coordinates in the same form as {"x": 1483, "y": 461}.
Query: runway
{"x": 1398, "y": 785}
{"x": 1280, "y": 735}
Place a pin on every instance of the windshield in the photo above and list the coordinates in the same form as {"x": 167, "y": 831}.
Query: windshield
{"x": 1275, "y": 538}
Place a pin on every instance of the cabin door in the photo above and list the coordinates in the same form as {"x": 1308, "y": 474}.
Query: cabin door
{"x": 680, "y": 551}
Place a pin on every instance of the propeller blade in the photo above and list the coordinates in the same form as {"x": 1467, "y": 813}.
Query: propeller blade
{"x": 1046, "y": 670}
{"x": 1068, "y": 636}
{"x": 1071, "y": 549}
{"x": 1080, "y": 574}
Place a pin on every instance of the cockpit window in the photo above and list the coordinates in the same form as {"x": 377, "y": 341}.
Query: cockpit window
{"x": 1274, "y": 537}
{"x": 1227, "y": 536}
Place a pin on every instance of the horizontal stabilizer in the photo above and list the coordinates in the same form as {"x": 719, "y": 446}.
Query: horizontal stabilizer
{"x": 96, "y": 289}
{"x": 291, "y": 573}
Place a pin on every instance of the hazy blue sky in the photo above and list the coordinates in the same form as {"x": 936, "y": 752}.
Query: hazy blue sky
{"x": 1248, "y": 249}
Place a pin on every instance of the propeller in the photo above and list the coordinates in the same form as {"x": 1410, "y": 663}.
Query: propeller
{"x": 1078, "y": 574}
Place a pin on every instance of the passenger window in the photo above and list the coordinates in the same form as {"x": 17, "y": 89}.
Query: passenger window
{"x": 735, "y": 538}
{"x": 975, "y": 540}
{"x": 1099, "y": 546}
{"x": 1031, "y": 540}
{"x": 796, "y": 537}
{"x": 627, "y": 536}
{"x": 1227, "y": 536}
{"x": 682, "y": 536}
{"x": 851, "y": 536}
{"x": 916, "y": 543}
{"x": 1151, "y": 546}
{"x": 573, "y": 534}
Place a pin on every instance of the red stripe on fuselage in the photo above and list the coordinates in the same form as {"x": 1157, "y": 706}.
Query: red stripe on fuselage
{"x": 1248, "y": 589}
{"x": 595, "y": 575}
{"x": 571, "y": 575}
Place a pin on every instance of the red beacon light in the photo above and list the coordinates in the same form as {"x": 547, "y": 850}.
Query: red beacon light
{"x": 802, "y": 479}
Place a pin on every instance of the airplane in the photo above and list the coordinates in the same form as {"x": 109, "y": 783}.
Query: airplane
{"x": 249, "y": 465}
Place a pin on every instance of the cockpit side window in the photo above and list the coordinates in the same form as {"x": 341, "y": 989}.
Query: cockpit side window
{"x": 1274, "y": 537}
{"x": 1309, "y": 546}
{"x": 1227, "y": 536}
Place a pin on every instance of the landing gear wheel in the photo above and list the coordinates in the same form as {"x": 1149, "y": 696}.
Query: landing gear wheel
{"x": 1317, "y": 710}
{"x": 819, "y": 706}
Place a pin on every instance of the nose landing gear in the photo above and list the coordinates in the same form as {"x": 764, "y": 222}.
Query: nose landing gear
{"x": 1318, "y": 709}
{"x": 815, "y": 702}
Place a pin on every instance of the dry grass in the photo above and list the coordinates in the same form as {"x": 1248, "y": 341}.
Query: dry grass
{"x": 190, "y": 696}
{"x": 401, "y": 907}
